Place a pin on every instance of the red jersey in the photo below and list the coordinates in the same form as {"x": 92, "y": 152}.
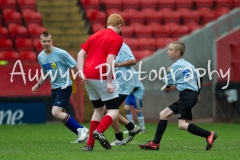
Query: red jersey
{"x": 98, "y": 47}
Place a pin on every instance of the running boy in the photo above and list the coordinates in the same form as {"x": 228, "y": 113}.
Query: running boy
{"x": 183, "y": 75}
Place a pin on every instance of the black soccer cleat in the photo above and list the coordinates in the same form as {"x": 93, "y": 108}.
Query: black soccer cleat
{"x": 150, "y": 145}
{"x": 210, "y": 139}
{"x": 102, "y": 140}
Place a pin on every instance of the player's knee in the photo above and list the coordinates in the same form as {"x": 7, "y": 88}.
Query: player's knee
{"x": 55, "y": 114}
{"x": 162, "y": 115}
{"x": 137, "y": 111}
{"x": 181, "y": 126}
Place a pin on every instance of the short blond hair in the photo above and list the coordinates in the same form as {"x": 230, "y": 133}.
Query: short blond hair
{"x": 179, "y": 46}
{"x": 114, "y": 20}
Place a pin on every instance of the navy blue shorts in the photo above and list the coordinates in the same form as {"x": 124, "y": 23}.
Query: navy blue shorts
{"x": 131, "y": 100}
{"x": 183, "y": 107}
{"x": 60, "y": 97}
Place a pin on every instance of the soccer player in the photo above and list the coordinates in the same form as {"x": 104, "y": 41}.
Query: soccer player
{"x": 55, "y": 64}
{"x": 184, "y": 76}
{"x": 128, "y": 83}
{"x": 100, "y": 49}
{"x": 136, "y": 103}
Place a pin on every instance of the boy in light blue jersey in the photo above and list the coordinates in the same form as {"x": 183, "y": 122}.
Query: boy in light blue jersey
{"x": 55, "y": 64}
{"x": 128, "y": 83}
{"x": 184, "y": 76}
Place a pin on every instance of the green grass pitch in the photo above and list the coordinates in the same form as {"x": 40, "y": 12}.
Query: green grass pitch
{"x": 52, "y": 141}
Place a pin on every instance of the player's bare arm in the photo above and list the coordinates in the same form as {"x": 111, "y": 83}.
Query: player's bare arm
{"x": 130, "y": 62}
{"x": 38, "y": 84}
{"x": 80, "y": 60}
{"x": 110, "y": 87}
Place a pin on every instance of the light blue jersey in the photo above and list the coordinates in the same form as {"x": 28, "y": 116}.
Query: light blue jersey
{"x": 126, "y": 76}
{"x": 58, "y": 62}
{"x": 183, "y": 75}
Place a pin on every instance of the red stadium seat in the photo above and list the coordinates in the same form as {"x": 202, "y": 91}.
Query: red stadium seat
{"x": 223, "y": 3}
{"x": 221, "y": 11}
{"x": 9, "y": 55}
{"x": 97, "y": 26}
{"x": 132, "y": 4}
{"x": 152, "y": 16}
{"x": 1, "y": 21}
{"x": 90, "y": 4}
{"x": 23, "y": 44}
{"x": 110, "y": 4}
{"x": 184, "y": 4}
{"x": 207, "y": 17}
{"x": 95, "y": 16}
{"x": 191, "y": 16}
{"x": 37, "y": 45}
{"x": 35, "y": 30}
{"x": 204, "y": 3}
{"x": 171, "y": 17}
{"x": 178, "y": 31}
{"x": 143, "y": 31}
{"x": 192, "y": 26}
{"x": 4, "y": 32}
{"x": 146, "y": 44}
{"x": 11, "y": 16}
{"x": 166, "y": 4}
{"x": 28, "y": 56}
{"x": 127, "y": 31}
{"x": 31, "y": 16}
{"x": 132, "y": 43}
{"x": 6, "y": 44}
{"x": 161, "y": 31}
{"x": 150, "y": 4}
{"x": 135, "y": 16}
{"x": 134, "y": 25}
{"x": 236, "y": 3}
{"x": 17, "y": 31}
{"x": 160, "y": 43}
{"x": 27, "y": 4}
{"x": 139, "y": 55}
{"x": 8, "y": 4}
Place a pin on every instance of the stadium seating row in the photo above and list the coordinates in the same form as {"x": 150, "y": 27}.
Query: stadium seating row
{"x": 147, "y": 16}
{"x": 15, "y": 4}
{"x": 18, "y": 31}
{"x": 158, "y": 4}
{"x": 20, "y": 44}
{"x": 28, "y": 16}
{"x": 12, "y": 56}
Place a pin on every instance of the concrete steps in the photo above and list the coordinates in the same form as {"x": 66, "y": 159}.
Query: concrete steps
{"x": 63, "y": 19}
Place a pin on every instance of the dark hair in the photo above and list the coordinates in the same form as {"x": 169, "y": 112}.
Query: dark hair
{"x": 45, "y": 34}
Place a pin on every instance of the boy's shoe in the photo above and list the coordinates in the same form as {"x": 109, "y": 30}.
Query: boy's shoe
{"x": 125, "y": 132}
{"x": 82, "y": 135}
{"x": 100, "y": 137}
{"x": 117, "y": 142}
{"x": 150, "y": 145}
{"x": 210, "y": 139}
{"x": 132, "y": 133}
{"x": 142, "y": 131}
{"x": 87, "y": 148}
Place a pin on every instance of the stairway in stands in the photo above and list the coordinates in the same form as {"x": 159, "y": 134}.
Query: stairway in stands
{"x": 63, "y": 19}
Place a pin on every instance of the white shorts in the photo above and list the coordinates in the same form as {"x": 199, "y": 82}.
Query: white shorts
{"x": 98, "y": 90}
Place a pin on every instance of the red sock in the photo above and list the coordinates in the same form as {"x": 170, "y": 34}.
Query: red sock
{"x": 93, "y": 126}
{"x": 104, "y": 124}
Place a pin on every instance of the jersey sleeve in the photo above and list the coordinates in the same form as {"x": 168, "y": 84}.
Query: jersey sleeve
{"x": 43, "y": 69}
{"x": 86, "y": 46}
{"x": 115, "y": 46}
{"x": 68, "y": 59}
{"x": 128, "y": 55}
{"x": 173, "y": 75}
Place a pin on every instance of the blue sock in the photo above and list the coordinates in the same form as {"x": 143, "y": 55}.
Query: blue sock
{"x": 140, "y": 117}
{"x": 72, "y": 124}
{"x": 129, "y": 116}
